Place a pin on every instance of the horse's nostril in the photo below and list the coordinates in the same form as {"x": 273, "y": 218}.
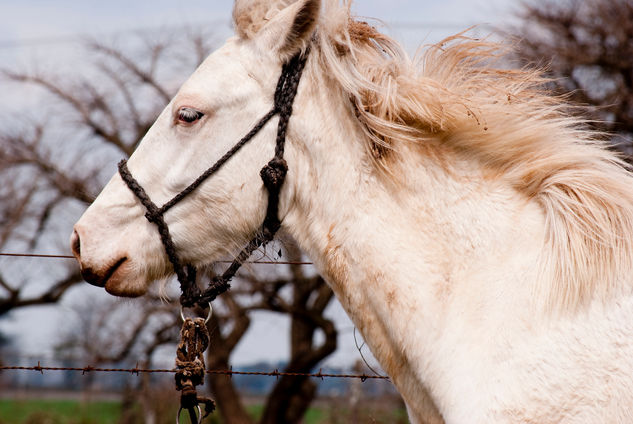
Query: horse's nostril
{"x": 75, "y": 244}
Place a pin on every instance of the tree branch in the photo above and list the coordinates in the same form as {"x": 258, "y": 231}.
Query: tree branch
{"x": 146, "y": 77}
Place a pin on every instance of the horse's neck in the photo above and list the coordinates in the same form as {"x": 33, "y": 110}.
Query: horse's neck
{"x": 413, "y": 264}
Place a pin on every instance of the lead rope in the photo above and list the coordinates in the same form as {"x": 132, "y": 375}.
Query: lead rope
{"x": 194, "y": 334}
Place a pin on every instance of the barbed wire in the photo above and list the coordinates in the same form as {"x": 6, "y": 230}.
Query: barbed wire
{"x": 137, "y": 371}
{"x": 36, "y": 255}
{"x": 230, "y": 372}
{"x": 51, "y": 256}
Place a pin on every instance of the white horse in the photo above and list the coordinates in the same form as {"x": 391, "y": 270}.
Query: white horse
{"x": 478, "y": 237}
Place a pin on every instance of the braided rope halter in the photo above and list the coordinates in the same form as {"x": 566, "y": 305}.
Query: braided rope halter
{"x": 273, "y": 176}
{"x": 194, "y": 334}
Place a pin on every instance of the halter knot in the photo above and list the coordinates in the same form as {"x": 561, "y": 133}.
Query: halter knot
{"x": 274, "y": 174}
{"x": 153, "y": 215}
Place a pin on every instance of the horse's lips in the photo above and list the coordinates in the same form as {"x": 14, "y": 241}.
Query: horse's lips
{"x": 113, "y": 269}
{"x": 96, "y": 278}
{"x": 111, "y": 276}
{"x": 123, "y": 283}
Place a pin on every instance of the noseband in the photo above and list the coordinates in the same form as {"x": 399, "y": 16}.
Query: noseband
{"x": 273, "y": 175}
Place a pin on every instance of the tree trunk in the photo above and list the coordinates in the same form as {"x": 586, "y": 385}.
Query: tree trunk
{"x": 289, "y": 400}
{"x": 291, "y": 397}
{"x": 225, "y": 395}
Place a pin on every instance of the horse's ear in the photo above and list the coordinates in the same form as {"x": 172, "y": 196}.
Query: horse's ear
{"x": 287, "y": 32}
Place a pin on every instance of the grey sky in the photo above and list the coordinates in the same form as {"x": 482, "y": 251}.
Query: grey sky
{"x": 34, "y": 19}
{"x": 35, "y": 30}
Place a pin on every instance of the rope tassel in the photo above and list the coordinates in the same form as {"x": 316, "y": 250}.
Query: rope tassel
{"x": 194, "y": 340}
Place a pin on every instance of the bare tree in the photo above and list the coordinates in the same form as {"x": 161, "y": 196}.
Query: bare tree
{"x": 110, "y": 331}
{"x": 113, "y": 332}
{"x": 587, "y": 46}
{"x": 53, "y": 162}
{"x": 304, "y": 298}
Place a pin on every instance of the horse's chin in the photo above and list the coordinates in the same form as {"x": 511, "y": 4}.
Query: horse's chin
{"x": 125, "y": 291}
{"x": 123, "y": 284}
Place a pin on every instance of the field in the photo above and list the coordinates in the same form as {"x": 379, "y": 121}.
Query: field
{"x": 58, "y": 412}
{"x": 110, "y": 412}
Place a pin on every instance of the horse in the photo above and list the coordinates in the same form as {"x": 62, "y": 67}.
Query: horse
{"x": 476, "y": 232}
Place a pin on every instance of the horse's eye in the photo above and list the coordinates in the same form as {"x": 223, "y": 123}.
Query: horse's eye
{"x": 187, "y": 115}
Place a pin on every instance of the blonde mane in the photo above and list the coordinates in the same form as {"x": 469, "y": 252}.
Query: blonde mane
{"x": 457, "y": 93}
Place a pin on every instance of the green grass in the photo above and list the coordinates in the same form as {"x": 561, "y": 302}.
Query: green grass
{"x": 35, "y": 411}
{"x": 58, "y": 412}
{"x": 313, "y": 416}
{"x": 74, "y": 412}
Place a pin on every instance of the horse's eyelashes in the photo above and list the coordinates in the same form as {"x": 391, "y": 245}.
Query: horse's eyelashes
{"x": 188, "y": 115}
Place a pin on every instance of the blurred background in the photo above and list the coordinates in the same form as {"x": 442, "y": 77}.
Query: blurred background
{"x": 83, "y": 81}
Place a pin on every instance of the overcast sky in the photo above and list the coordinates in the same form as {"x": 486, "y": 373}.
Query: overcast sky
{"x": 40, "y": 19}
{"x": 34, "y": 30}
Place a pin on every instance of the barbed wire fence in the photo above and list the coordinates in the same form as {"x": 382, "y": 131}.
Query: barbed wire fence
{"x": 137, "y": 371}
{"x": 230, "y": 372}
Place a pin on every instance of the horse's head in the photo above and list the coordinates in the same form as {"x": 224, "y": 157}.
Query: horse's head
{"x": 116, "y": 246}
